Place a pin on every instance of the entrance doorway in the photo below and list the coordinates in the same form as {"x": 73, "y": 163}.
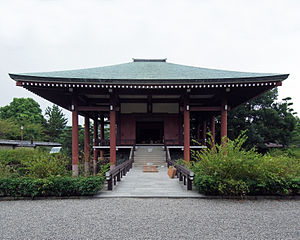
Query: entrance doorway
{"x": 149, "y": 132}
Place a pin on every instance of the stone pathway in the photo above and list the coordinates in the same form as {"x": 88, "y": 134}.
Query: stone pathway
{"x": 148, "y": 185}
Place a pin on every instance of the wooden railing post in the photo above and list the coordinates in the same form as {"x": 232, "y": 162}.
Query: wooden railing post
{"x": 109, "y": 181}
{"x": 180, "y": 176}
{"x": 116, "y": 173}
{"x": 119, "y": 176}
{"x": 189, "y": 184}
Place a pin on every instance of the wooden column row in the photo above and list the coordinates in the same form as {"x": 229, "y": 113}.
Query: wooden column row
{"x": 75, "y": 140}
{"x": 75, "y": 133}
{"x": 186, "y": 116}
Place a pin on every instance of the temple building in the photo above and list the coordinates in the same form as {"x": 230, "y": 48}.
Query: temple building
{"x": 147, "y": 101}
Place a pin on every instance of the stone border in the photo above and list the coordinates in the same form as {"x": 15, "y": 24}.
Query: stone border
{"x": 259, "y": 197}
{"x": 43, "y": 198}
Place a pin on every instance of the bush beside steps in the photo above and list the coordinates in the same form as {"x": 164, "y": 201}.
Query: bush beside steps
{"x": 230, "y": 170}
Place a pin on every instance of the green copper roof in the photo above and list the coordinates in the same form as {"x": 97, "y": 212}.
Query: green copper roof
{"x": 145, "y": 70}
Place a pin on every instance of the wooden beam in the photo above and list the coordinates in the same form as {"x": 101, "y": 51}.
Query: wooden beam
{"x": 102, "y": 134}
{"x": 213, "y": 130}
{"x": 224, "y": 121}
{"x": 186, "y": 139}
{"x": 87, "y": 144}
{"x": 95, "y": 139}
{"x": 112, "y": 120}
{"x": 204, "y": 132}
{"x": 205, "y": 109}
{"x": 75, "y": 137}
{"x": 93, "y": 108}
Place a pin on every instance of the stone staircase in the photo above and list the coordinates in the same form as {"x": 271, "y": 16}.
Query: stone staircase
{"x": 149, "y": 155}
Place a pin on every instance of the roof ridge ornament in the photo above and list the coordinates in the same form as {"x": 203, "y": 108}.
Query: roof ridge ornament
{"x": 149, "y": 60}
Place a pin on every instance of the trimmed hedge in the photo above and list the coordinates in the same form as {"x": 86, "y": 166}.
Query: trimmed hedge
{"x": 54, "y": 186}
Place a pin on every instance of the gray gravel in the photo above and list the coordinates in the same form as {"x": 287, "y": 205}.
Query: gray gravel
{"x": 150, "y": 219}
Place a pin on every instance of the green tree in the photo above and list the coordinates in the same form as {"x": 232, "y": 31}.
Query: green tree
{"x": 22, "y": 110}
{"x": 65, "y": 139}
{"x": 296, "y": 134}
{"x": 265, "y": 120}
{"x": 9, "y": 130}
{"x": 55, "y": 123}
{"x": 33, "y": 132}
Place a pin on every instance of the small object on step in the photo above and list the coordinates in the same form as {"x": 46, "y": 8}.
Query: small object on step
{"x": 171, "y": 171}
{"x": 149, "y": 164}
{"x": 150, "y": 169}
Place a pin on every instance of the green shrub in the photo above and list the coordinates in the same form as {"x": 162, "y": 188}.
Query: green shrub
{"x": 230, "y": 170}
{"x": 32, "y": 163}
{"x": 103, "y": 169}
{"x": 53, "y": 186}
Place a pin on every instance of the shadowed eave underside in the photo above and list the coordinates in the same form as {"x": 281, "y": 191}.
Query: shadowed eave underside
{"x": 141, "y": 71}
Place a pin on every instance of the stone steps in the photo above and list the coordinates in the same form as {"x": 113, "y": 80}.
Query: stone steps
{"x": 149, "y": 155}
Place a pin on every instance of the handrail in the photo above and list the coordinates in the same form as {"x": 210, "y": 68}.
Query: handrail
{"x": 106, "y": 142}
{"x": 114, "y": 175}
{"x": 182, "y": 172}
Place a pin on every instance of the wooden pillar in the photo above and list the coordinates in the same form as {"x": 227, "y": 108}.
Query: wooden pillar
{"x": 95, "y": 139}
{"x": 112, "y": 120}
{"x": 75, "y": 136}
{"x": 102, "y": 135}
{"x": 224, "y": 108}
{"x": 213, "y": 130}
{"x": 86, "y": 144}
{"x": 198, "y": 131}
{"x": 186, "y": 120}
{"x": 204, "y": 132}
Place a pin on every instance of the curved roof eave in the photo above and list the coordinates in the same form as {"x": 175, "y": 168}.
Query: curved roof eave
{"x": 150, "y": 71}
{"x": 18, "y": 77}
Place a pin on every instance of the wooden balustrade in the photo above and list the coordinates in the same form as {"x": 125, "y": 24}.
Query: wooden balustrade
{"x": 114, "y": 175}
{"x": 184, "y": 174}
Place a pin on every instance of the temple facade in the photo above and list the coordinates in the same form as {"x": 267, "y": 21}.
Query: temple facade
{"x": 147, "y": 101}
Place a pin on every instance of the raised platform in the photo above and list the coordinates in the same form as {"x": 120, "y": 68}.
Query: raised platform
{"x": 182, "y": 147}
{"x": 108, "y": 147}
{"x": 148, "y": 145}
{"x": 139, "y": 184}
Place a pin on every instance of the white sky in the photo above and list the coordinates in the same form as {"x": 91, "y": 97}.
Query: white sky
{"x": 49, "y": 35}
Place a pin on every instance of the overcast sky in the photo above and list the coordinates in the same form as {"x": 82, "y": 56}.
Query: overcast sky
{"x": 49, "y": 35}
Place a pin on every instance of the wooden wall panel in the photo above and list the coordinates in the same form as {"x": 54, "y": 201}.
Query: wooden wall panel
{"x": 127, "y": 127}
{"x": 171, "y": 126}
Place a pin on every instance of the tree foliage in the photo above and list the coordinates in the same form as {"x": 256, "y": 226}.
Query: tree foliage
{"x": 66, "y": 140}
{"x": 55, "y": 123}
{"x": 22, "y": 111}
{"x": 9, "y": 130}
{"x": 27, "y": 113}
{"x": 296, "y": 134}
{"x": 265, "y": 119}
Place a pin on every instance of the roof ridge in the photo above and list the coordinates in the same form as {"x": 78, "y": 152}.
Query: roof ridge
{"x": 149, "y": 59}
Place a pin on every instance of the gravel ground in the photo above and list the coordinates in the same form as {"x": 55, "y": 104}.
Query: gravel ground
{"x": 150, "y": 219}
